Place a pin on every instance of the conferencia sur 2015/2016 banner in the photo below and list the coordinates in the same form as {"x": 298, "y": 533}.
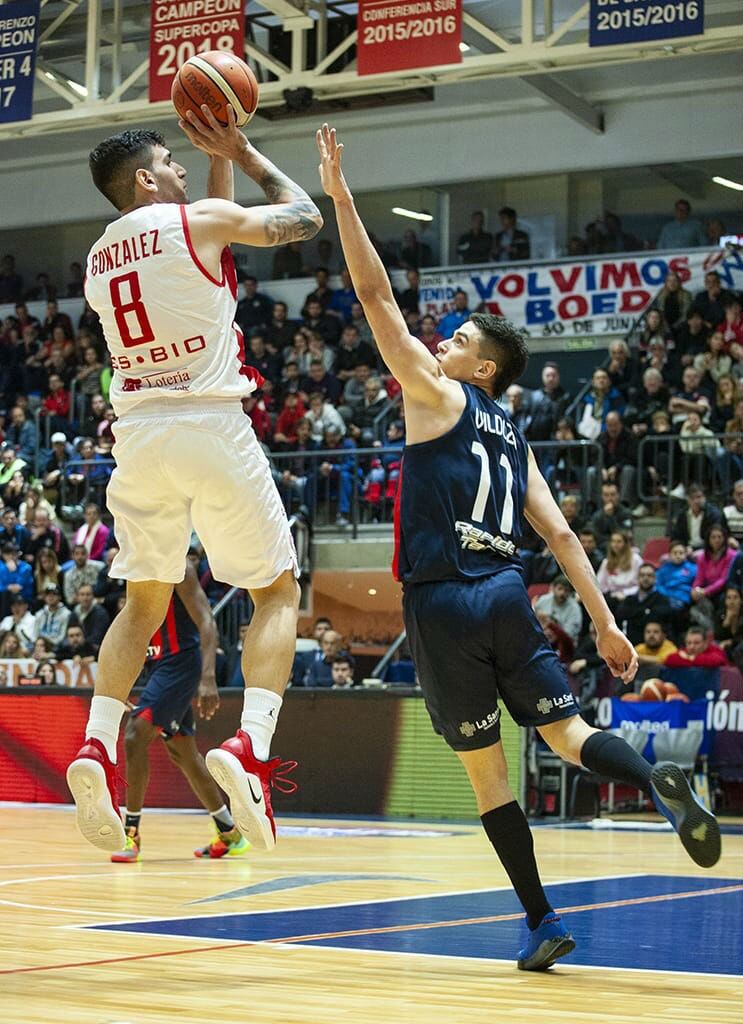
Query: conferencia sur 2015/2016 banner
{"x": 588, "y": 297}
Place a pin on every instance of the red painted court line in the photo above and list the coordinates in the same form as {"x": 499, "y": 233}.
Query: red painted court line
{"x": 294, "y": 939}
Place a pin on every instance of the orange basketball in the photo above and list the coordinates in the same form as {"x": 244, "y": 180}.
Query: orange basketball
{"x": 631, "y": 698}
{"x": 653, "y": 689}
{"x": 216, "y": 78}
{"x": 678, "y": 696}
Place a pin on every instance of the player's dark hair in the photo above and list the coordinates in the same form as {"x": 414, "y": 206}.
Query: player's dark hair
{"x": 505, "y": 345}
{"x": 114, "y": 161}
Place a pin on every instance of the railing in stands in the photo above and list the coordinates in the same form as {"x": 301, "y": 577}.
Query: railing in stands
{"x": 668, "y": 463}
{"x": 379, "y": 669}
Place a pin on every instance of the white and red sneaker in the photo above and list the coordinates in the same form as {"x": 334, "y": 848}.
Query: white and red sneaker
{"x": 248, "y": 781}
{"x": 93, "y": 783}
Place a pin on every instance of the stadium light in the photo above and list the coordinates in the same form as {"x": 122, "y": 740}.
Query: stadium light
{"x": 727, "y": 183}
{"x": 413, "y": 214}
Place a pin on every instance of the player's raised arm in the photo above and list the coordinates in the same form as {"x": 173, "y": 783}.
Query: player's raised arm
{"x": 195, "y": 602}
{"x": 220, "y": 184}
{"x": 411, "y": 363}
{"x": 545, "y": 516}
{"x": 291, "y": 215}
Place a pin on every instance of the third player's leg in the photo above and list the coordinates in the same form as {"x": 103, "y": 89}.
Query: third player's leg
{"x": 185, "y": 755}
{"x": 137, "y": 738}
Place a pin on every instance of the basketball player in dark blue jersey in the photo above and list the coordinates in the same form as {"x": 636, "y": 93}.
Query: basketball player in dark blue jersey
{"x": 179, "y": 668}
{"x": 468, "y": 479}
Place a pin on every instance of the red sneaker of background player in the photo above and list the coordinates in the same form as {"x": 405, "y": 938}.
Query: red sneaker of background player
{"x": 248, "y": 781}
{"x": 92, "y": 781}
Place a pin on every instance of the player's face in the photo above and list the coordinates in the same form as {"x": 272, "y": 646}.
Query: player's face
{"x": 459, "y": 356}
{"x": 170, "y": 177}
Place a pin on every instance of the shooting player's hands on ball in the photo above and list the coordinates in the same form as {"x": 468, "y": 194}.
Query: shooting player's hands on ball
{"x": 331, "y": 175}
{"x": 618, "y": 653}
{"x": 207, "y": 701}
{"x": 213, "y": 138}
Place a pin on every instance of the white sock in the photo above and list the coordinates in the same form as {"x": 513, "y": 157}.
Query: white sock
{"x": 260, "y": 714}
{"x": 104, "y": 721}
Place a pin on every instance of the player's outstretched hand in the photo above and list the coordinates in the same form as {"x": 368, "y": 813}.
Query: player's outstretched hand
{"x": 331, "y": 175}
{"x": 618, "y": 653}
{"x": 214, "y": 138}
{"x": 207, "y": 700}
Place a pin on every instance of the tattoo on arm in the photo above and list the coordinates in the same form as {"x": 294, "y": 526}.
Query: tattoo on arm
{"x": 279, "y": 188}
{"x": 292, "y": 222}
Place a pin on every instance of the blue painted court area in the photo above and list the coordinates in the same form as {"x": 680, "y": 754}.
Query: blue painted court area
{"x": 649, "y": 921}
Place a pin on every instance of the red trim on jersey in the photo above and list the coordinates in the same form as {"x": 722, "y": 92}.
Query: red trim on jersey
{"x": 396, "y": 527}
{"x": 247, "y": 371}
{"x": 195, "y": 258}
{"x": 229, "y": 271}
{"x": 170, "y": 627}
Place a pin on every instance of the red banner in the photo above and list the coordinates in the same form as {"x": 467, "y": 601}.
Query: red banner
{"x": 394, "y": 35}
{"x": 179, "y": 29}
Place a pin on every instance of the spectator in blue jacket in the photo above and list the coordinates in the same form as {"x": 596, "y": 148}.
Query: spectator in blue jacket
{"x": 675, "y": 577}
{"x": 336, "y": 475}
{"x": 454, "y": 319}
{"x": 343, "y": 299}
{"x": 320, "y": 670}
{"x": 11, "y": 531}
{"x": 16, "y": 577}
{"x": 21, "y": 434}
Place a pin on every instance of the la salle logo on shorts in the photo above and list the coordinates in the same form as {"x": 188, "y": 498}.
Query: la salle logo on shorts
{"x": 546, "y": 704}
{"x": 469, "y": 729}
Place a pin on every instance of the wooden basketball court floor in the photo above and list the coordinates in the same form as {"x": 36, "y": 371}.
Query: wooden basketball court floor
{"x": 371, "y": 922}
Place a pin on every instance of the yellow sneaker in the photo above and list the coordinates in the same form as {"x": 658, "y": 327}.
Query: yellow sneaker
{"x": 227, "y": 844}
{"x": 130, "y": 853}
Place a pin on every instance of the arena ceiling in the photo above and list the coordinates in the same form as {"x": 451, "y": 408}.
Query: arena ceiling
{"x": 93, "y": 61}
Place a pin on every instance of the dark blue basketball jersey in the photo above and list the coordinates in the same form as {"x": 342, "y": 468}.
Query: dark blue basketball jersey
{"x": 461, "y": 497}
{"x": 177, "y": 633}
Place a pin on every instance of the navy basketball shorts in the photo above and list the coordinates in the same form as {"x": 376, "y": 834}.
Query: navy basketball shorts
{"x": 473, "y": 642}
{"x": 170, "y": 687}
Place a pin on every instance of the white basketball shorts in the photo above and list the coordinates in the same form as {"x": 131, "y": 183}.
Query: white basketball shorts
{"x": 198, "y": 467}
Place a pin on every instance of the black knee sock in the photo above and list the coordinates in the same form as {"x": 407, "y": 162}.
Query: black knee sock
{"x": 509, "y": 832}
{"x": 614, "y": 758}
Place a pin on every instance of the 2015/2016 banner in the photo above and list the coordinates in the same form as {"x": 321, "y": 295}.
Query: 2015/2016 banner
{"x": 394, "y": 35}
{"x": 613, "y": 22}
{"x": 19, "y": 31}
{"x": 179, "y": 29}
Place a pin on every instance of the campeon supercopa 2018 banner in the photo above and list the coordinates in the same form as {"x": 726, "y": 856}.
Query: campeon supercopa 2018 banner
{"x": 603, "y": 296}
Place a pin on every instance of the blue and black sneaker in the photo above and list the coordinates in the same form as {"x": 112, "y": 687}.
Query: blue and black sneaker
{"x": 697, "y": 827}
{"x": 547, "y": 943}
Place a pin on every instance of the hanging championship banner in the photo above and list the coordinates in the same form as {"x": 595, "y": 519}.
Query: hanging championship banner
{"x": 19, "y": 33}
{"x": 179, "y": 29}
{"x": 394, "y": 35}
{"x": 613, "y": 22}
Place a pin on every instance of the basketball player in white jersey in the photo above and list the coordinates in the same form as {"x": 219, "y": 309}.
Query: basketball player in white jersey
{"x": 163, "y": 282}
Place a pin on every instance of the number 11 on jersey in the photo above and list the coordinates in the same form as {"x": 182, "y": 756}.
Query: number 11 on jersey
{"x": 483, "y": 489}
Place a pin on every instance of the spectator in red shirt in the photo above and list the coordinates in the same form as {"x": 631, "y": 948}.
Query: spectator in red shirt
{"x": 258, "y": 417}
{"x": 57, "y": 402}
{"x": 732, "y": 325}
{"x": 428, "y": 333}
{"x": 698, "y": 652}
{"x": 288, "y": 418}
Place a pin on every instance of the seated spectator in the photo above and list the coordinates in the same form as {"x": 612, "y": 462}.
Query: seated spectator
{"x": 692, "y": 525}
{"x": 297, "y": 479}
{"x": 290, "y": 383}
{"x": 517, "y": 406}
{"x": 47, "y": 573}
{"x": 20, "y": 435}
{"x": 659, "y": 357}
{"x": 476, "y": 245}
{"x": 280, "y": 331}
{"x": 733, "y": 513}
{"x": 362, "y": 325}
{"x": 724, "y": 408}
{"x": 89, "y": 473}
{"x": 288, "y": 262}
{"x": 587, "y": 539}
{"x": 646, "y": 605}
{"x": 19, "y": 621}
{"x": 729, "y": 621}
{"x": 365, "y": 417}
{"x": 75, "y": 647}
{"x": 52, "y": 619}
{"x": 56, "y": 465}
{"x": 322, "y": 292}
{"x": 319, "y": 671}
{"x": 619, "y": 456}
{"x": 612, "y": 516}
{"x": 411, "y": 297}
{"x": 303, "y": 659}
{"x": 429, "y": 334}
{"x": 14, "y": 491}
{"x": 511, "y": 243}
{"x": 46, "y": 673}
{"x": 56, "y": 405}
{"x": 547, "y": 404}
{"x": 691, "y": 338}
{"x": 44, "y": 534}
{"x": 354, "y": 392}
{"x": 254, "y": 310}
{"x": 343, "y": 298}
{"x": 337, "y": 474}
{"x": 674, "y": 578}
{"x": 258, "y": 356}
{"x": 320, "y": 381}
{"x": 655, "y": 646}
{"x": 109, "y": 589}
{"x": 732, "y": 326}
{"x": 619, "y": 571}
{"x": 321, "y": 416}
{"x": 652, "y": 397}
{"x": 95, "y": 416}
{"x": 342, "y": 672}
{"x": 621, "y": 368}
{"x": 684, "y": 232}
{"x": 710, "y": 303}
{"x": 654, "y": 329}
{"x": 287, "y": 420}
{"x": 570, "y": 508}
{"x": 255, "y": 410}
{"x": 414, "y": 252}
{"x": 75, "y": 284}
{"x": 299, "y": 351}
{"x": 673, "y": 300}
{"x": 12, "y": 532}
{"x": 318, "y": 349}
{"x": 11, "y": 648}
{"x": 561, "y": 606}
{"x": 713, "y": 568}
{"x": 16, "y": 577}
{"x": 322, "y": 323}
{"x": 713, "y": 363}
{"x": 456, "y": 316}
{"x": 689, "y": 398}
{"x": 43, "y": 290}
{"x": 54, "y": 318}
{"x": 11, "y": 282}
{"x": 91, "y": 616}
{"x": 93, "y": 533}
{"x": 88, "y": 377}
{"x": 697, "y": 652}
{"x": 699, "y": 447}
{"x": 352, "y": 351}
{"x": 597, "y": 404}
{"x": 83, "y": 570}
{"x": 557, "y": 638}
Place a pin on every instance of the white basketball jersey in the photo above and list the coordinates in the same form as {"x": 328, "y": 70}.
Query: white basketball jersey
{"x": 169, "y": 325}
